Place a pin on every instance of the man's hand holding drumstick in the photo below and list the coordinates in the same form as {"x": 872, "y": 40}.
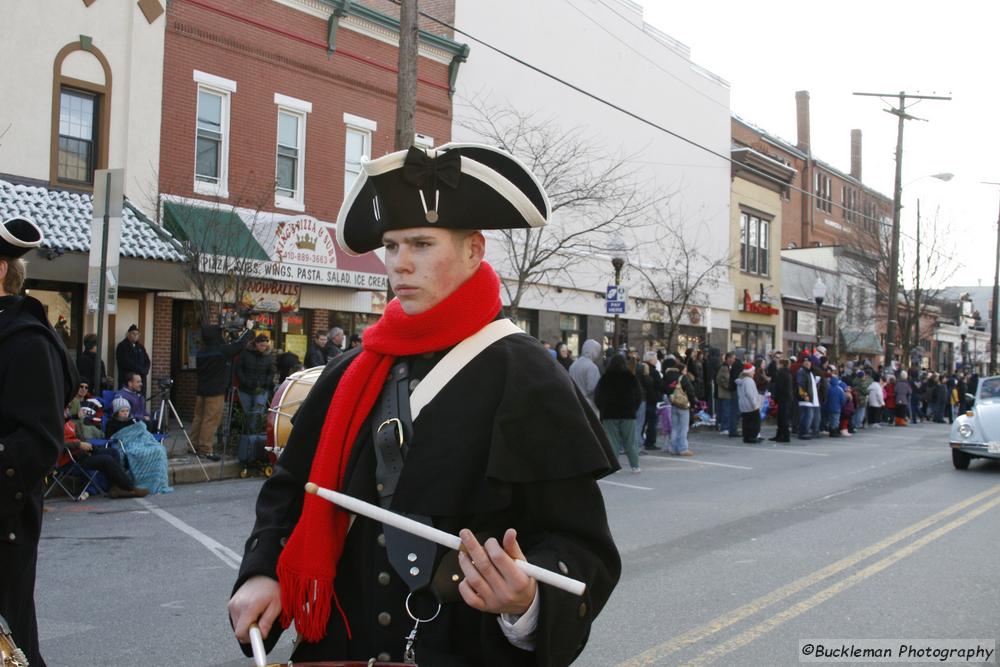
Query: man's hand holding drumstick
{"x": 493, "y": 583}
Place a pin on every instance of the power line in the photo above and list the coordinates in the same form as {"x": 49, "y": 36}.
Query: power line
{"x": 657, "y": 126}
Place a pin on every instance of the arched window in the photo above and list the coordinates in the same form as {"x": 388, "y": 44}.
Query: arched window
{"x": 81, "y": 112}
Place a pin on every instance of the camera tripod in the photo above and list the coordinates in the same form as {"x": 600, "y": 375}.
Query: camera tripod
{"x": 163, "y": 425}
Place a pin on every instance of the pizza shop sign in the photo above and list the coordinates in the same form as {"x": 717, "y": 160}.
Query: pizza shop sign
{"x": 305, "y": 241}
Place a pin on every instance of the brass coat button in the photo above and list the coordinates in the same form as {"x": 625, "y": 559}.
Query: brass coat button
{"x": 380, "y": 539}
{"x": 1, "y": 447}
{"x": 18, "y": 496}
{"x": 283, "y": 541}
{"x": 384, "y": 618}
{"x": 11, "y": 537}
{"x": 383, "y": 578}
{"x": 10, "y": 472}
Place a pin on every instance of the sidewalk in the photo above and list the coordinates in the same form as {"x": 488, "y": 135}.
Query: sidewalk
{"x": 185, "y": 468}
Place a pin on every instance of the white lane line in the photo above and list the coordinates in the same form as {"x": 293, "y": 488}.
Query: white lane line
{"x": 224, "y": 553}
{"x": 627, "y": 486}
{"x": 764, "y": 448}
{"x": 678, "y": 459}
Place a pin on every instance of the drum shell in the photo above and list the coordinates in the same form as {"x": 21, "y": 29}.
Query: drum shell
{"x": 286, "y": 402}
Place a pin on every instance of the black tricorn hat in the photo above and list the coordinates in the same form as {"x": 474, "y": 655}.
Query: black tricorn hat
{"x": 455, "y": 186}
{"x": 18, "y": 236}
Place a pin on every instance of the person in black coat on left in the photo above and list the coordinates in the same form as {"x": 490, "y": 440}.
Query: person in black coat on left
{"x": 618, "y": 395}
{"x": 783, "y": 395}
{"x": 131, "y": 357}
{"x": 37, "y": 381}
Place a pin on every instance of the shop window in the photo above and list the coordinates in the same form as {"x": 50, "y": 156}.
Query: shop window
{"x": 295, "y": 337}
{"x": 572, "y": 333}
{"x": 59, "y": 308}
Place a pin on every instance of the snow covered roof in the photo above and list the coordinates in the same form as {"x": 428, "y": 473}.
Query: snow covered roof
{"x": 64, "y": 218}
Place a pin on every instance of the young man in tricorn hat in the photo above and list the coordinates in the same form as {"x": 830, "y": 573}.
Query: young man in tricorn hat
{"x": 492, "y": 442}
{"x": 37, "y": 380}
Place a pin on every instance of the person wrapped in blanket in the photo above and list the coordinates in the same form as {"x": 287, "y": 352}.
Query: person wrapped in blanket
{"x": 102, "y": 459}
{"x": 146, "y": 457}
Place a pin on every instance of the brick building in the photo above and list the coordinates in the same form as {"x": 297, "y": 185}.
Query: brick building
{"x": 268, "y": 108}
{"x": 828, "y": 208}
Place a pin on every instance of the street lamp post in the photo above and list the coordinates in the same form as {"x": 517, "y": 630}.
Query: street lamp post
{"x": 819, "y": 294}
{"x": 618, "y": 263}
{"x": 963, "y": 332}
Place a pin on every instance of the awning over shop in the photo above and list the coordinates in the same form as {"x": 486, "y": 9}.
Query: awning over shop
{"x": 860, "y": 341}
{"x": 262, "y": 244}
{"x": 215, "y": 231}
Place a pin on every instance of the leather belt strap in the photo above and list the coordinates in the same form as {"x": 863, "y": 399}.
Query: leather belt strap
{"x": 411, "y": 557}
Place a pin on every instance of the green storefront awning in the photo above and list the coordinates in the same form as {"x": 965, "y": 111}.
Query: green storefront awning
{"x": 212, "y": 231}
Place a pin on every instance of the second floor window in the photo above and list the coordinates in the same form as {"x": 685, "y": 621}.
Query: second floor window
{"x": 209, "y": 161}
{"x": 78, "y": 115}
{"x": 288, "y": 173}
{"x": 754, "y": 235}
{"x": 823, "y": 191}
{"x": 358, "y": 146}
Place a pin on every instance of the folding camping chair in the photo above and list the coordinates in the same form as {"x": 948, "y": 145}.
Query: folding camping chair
{"x": 67, "y": 467}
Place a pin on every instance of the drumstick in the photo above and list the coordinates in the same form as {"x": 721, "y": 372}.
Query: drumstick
{"x": 257, "y": 643}
{"x": 432, "y": 534}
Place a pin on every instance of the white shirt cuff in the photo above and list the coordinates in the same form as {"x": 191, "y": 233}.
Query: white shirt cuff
{"x": 520, "y": 629}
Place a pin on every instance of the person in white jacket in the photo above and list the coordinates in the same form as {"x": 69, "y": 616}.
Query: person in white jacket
{"x": 876, "y": 401}
{"x": 750, "y": 402}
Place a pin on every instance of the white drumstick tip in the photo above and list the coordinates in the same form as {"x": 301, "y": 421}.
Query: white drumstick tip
{"x": 257, "y": 644}
{"x": 312, "y": 488}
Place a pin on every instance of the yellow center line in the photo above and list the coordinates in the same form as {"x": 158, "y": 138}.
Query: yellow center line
{"x": 802, "y": 607}
{"x": 658, "y": 652}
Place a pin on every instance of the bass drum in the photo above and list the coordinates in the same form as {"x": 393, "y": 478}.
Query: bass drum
{"x": 285, "y": 404}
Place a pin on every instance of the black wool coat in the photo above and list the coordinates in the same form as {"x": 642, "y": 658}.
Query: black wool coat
{"x": 618, "y": 395}
{"x": 214, "y": 362}
{"x": 509, "y": 442}
{"x": 37, "y": 380}
{"x": 132, "y": 358}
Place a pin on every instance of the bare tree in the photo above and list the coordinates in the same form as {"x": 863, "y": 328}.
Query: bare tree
{"x": 219, "y": 243}
{"x": 677, "y": 273}
{"x": 931, "y": 264}
{"x": 595, "y": 195}
{"x": 866, "y": 257}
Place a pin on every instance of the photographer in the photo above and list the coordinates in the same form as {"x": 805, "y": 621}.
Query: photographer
{"x": 255, "y": 372}
{"x": 214, "y": 367}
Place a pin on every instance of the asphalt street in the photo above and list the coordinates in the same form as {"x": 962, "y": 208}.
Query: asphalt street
{"x": 731, "y": 557}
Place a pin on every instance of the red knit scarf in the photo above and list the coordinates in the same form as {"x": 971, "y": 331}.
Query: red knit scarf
{"x": 308, "y": 565}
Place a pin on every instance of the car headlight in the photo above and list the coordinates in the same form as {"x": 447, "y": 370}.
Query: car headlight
{"x": 964, "y": 430}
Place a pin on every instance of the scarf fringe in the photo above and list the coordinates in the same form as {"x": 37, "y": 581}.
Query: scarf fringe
{"x": 306, "y": 601}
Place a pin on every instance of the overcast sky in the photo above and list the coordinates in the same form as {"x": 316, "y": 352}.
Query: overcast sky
{"x": 769, "y": 50}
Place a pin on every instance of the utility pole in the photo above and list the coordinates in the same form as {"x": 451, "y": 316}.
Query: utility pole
{"x": 916, "y": 291}
{"x": 406, "y": 78}
{"x": 994, "y": 310}
{"x": 893, "y": 315}
{"x": 406, "y": 84}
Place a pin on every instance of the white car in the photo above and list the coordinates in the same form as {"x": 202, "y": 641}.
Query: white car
{"x": 976, "y": 434}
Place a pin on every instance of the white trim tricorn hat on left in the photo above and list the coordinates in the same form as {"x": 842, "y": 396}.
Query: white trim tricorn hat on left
{"x": 455, "y": 186}
{"x": 18, "y": 236}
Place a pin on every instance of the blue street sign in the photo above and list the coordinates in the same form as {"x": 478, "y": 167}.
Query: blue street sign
{"x": 615, "y": 300}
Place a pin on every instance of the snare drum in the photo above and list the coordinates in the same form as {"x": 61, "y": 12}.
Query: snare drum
{"x": 285, "y": 404}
